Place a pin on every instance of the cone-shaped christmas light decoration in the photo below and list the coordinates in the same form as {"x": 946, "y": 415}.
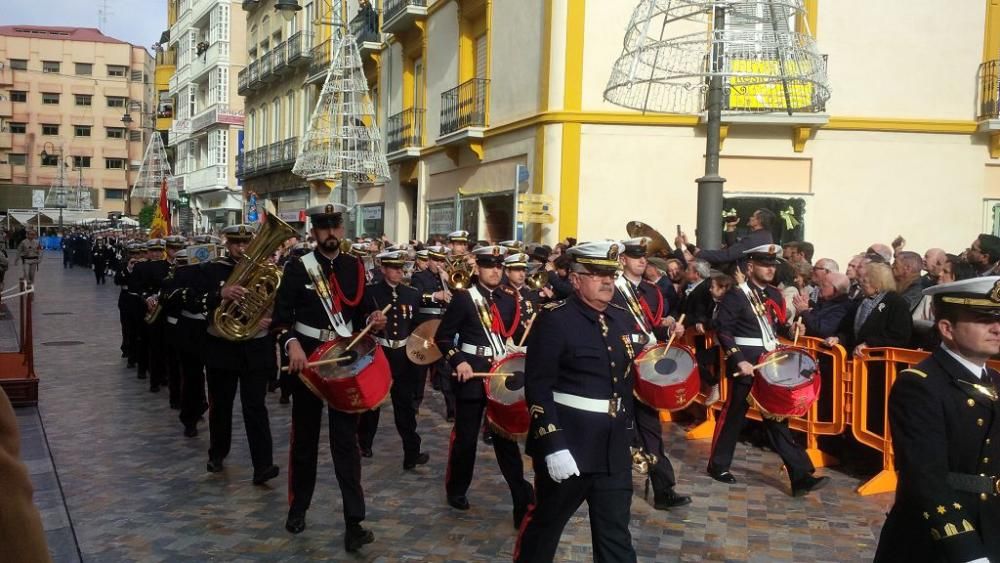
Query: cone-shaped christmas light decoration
{"x": 153, "y": 170}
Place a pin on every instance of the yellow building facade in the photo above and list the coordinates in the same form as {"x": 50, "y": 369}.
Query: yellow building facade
{"x": 477, "y": 96}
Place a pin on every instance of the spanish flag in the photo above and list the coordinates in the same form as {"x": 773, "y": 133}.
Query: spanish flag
{"x": 160, "y": 226}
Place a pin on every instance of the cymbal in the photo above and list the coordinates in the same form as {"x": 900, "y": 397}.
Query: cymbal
{"x": 657, "y": 245}
{"x": 420, "y": 346}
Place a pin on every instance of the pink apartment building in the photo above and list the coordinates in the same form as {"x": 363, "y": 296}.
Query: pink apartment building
{"x": 66, "y": 90}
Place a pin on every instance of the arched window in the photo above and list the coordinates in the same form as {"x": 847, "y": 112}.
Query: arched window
{"x": 251, "y": 130}
{"x": 290, "y": 112}
{"x": 263, "y": 127}
{"x": 276, "y": 118}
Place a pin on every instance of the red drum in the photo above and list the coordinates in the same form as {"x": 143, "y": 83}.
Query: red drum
{"x": 358, "y": 382}
{"x": 506, "y": 407}
{"x": 666, "y": 379}
{"x": 789, "y": 386}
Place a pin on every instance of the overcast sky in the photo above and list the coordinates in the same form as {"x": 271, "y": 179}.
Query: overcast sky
{"x": 139, "y": 22}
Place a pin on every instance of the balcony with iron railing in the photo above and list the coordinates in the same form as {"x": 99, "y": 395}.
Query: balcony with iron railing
{"x": 321, "y": 55}
{"x": 266, "y": 64}
{"x": 299, "y": 48}
{"x": 989, "y": 91}
{"x": 404, "y": 134}
{"x": 279, "y": 58}
{"x": 399, "y": 15}
{"x": 365, "y": 28}
{"x": 276, "y": 157}
{"x": 463, "y": 108}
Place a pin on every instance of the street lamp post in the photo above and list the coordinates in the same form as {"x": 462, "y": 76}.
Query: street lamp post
{"x": 60, "y": 199}
{"x": 126, "y": 121}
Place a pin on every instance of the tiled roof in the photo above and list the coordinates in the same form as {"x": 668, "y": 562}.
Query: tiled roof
{"x": 90, "y": 34}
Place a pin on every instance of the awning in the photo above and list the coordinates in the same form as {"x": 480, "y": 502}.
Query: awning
{"x": 22, "y": 217}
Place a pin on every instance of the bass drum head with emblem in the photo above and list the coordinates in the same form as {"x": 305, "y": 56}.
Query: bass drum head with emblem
{"x": 789, "y": 386}
{"x": 506, "y": 407}
{"x": 667, "y": 379}
{"x": 359, "y": 382}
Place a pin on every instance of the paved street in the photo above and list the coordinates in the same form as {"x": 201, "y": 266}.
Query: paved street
{"x": 134, "y": 489}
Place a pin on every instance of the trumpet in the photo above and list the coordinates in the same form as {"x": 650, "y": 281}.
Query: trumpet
{"x": 459, "y": 277}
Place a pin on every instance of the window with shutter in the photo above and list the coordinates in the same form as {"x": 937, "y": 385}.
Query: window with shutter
{"x": 481, "y": 54}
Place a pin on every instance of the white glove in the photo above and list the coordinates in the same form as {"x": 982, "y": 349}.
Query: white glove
{"x": 561, "y": 465}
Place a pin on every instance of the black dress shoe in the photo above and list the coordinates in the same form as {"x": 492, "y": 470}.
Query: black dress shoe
{"x": 420, "y": 459}
{"x": 355, "y": 537}
{"x": 449, "y": 417}
{"x": 130, "y": 365}
{"x": 175, "y": 406}
{"x": 261, "y": 477}
{"x": 154, "y": 388}
{"x": 214, "y": 465}
{"x": 142, "y": 375}
{"x": 190, "y": 430}
{"x": 669, "y": 500}
{"x": 488, "y": 438}
{"x": 809, "y": 484}
{"x": 722, "y": 476}
{"x": 296, "y": 522}
{"x": 365, "y": 452}
{"x": 461, "y": 502}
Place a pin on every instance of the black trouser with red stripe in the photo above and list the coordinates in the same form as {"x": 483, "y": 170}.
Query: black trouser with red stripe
{"x": 172, "y": 358}
{"x": 609, "y": 501}
{"x": 307, "y": 416}
{"x": 730, "y": 424}
{"x": 661, "y": 474}
{"x": 464, "y": 439}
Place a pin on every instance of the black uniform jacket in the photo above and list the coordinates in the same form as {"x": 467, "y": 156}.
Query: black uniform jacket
{"x": 254, "y": 354}
{"x": 734, "y": 251}
{"x": 399, "y": 319}
{"x": 462, "y": 320}
{"x": 736, "y": 317}
{"x": 427, "y": 283}
{"x": 577, "y": 350}
{"x": 941, "y": 423}
{"x": 530, "y": 303}
{"x": 298, "y": 301}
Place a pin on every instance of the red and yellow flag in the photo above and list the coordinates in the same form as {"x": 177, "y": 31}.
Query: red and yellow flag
{"x": 160, "y": 227}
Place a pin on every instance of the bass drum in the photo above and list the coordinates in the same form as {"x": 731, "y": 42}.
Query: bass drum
{"x": 788, "y": 387}
{"x": 359, "y": 382}
{"x": 506, "y": 407}
{"x": 666, "y": 379}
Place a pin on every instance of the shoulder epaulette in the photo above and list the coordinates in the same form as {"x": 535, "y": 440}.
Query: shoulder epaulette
{"x": 617, "y": 306}
{"x": 914, "y": 371}
{"x": 508, "y": 290}
{"x": 553, "y": 305}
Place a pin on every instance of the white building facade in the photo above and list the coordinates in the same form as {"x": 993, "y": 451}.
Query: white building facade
{"x": 208, "y": 125}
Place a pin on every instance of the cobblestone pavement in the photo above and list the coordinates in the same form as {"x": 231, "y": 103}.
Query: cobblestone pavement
{"x": 137, "y": 490}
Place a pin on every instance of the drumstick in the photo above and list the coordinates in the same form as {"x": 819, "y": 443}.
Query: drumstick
{"x": 322, "y": 362}
{"x": 492, "y": 374}
{"x": 531, "y": 323}
{"x": 764, "y": 363}
{"x": 795, "y": 339}
{"x": 673, "y": 334}
{"x": 365, "y": 331}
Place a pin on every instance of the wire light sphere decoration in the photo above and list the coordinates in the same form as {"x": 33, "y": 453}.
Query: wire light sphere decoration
{"x": 763, "y": 52}
{"x": 343, "y": 141}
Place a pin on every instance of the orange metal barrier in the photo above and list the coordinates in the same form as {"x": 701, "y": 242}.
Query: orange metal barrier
{"x": 865, "y": 381}
{"x": 17, "y": 369}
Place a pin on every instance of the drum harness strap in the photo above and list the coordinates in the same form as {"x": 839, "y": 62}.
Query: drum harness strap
{"x": 497, "y": 345}
{"x": 634, "y": 307}
{"x": 769, "y": 340}
{"x": 340, "y": 326}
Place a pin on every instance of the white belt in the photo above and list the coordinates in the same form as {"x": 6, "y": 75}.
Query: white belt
{"x": 316, "y": 333}
{"x": 430, "y": 311}
{"x": 195, "y": 316}
{"x": 385, "y": 342}
{"x": 172, "y": 320}
{"x": 610, "y": 407}
{"x": 484, "y": 351}
{"x": 742, "y": 341}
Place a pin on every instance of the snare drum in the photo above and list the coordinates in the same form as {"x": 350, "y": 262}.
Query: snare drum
{"x": 787, "y": 387}
{"x": 358, "y": 383}
{"x": 506, "y": 407}
{"x": 668, "y": 380}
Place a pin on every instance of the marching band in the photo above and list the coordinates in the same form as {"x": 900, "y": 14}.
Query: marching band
{"x": 573, "y": 350}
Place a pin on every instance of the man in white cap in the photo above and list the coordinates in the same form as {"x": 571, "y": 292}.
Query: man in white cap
{"x": 579, "y": 393}
{"x": 749, "y": 320}
{"x": 944, "y": 416}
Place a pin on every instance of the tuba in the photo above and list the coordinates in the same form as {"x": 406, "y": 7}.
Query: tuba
{"x": 238, "y": 320}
